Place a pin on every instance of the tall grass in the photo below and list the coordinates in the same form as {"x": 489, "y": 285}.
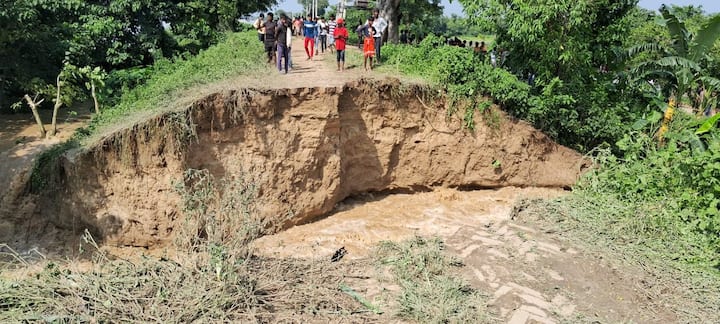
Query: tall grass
{"x": 237, "y": 54}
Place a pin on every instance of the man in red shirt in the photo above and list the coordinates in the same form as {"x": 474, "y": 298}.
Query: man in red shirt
{"x": 341, "y": 37}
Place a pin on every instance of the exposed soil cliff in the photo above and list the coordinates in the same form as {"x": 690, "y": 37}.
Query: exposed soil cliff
{"x": 306, "y": 149}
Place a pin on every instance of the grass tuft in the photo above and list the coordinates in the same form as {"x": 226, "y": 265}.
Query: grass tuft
{"x": 430, "y": 290}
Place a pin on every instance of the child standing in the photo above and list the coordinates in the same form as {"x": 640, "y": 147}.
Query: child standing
{"x": 369, "y": 45}
{"x": 340, "y": 34}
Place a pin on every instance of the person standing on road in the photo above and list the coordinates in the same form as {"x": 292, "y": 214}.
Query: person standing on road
{"x": 309, "y": 28}
{"x": 359, "y": 31}
{"x": 340, "y": 34}
{"x": 369, "y": 44}
{"x": 380, "y": 24}
{"x": 283, "y": 52}
{"x": 259, "y": 25}
{"x": 270, "y": 37}
{"x": 332, "y": 24}
{"x": 323, "y": 27}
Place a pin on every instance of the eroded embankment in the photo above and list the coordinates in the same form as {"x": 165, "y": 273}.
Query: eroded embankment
{"x": 305, "y": 149}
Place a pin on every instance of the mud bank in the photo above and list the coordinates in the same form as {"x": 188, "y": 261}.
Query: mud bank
{"x": 306, "y": 149}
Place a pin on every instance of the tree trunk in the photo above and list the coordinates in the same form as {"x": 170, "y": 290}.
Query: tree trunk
{"x": 95, "y": 101}
{"x": 390, "y": 10}
{"x": 33, "y": 106}
{"x": 58, "y": 103}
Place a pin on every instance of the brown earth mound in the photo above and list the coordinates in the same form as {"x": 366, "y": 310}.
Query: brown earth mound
{"x": 306, "y": 150}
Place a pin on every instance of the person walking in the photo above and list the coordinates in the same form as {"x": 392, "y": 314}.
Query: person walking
{"x": 332, "y": 24}
{"x": 298, "y": 26}
{"x": 270, "y": 39}
{"x": 283, "y": 51}
{"x": 317, "y": 36}
{"x": 323, "y": 27}
{"x": 379, "y": 24}
{"x": 309, "y": 29}
{"x": 259, "y": 25}
{"x": 340, "y": 34}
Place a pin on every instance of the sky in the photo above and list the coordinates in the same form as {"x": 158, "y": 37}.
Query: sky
{"x": 710, "y": 6}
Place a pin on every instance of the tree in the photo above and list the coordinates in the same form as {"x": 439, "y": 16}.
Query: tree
{"x": 37, "y": 35}
{"x": 563, "y": 38}
{"x": 34, "y": 103}
{"x": 408, "y": 12}
{"x": 681, "y": 65}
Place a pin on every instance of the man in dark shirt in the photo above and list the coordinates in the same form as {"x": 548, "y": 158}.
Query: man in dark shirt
{"x": 270, "y": 26}
{"x": 282, "y": 46}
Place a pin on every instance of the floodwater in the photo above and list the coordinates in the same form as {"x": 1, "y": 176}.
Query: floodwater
{"x": 358, "y": 224}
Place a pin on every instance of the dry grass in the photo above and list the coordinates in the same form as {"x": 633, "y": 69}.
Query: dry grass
{"x": 189, "y": 289}
{"x": 214, "y": 276}
{"x": 430, "y": 289}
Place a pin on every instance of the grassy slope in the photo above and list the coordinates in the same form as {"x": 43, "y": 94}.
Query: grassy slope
{"x": 175, "y": 84}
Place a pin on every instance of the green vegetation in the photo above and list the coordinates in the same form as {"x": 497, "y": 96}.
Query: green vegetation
{"x": 430, "y": 292}
{"x": 166, "y": 81}
{"x": 597, "y": 99}
{"x": 670, "y": 195}
{"x": 158, "y": 88}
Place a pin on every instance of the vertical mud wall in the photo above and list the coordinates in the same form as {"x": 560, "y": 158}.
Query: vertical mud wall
{"x": 305, "y": 149}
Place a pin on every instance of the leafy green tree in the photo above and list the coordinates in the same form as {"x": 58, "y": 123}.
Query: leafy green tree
{"x": 555, "y": 38}
{"x": 37, "y": 35}
{"x": 571, "y": 47}
{"x": 409, "y": 12}
{"x": 681, "y": 65}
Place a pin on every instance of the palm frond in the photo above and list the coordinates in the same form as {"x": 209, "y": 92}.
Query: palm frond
{"x": 705, "y": 38}
{"x": 678, "y": 32}
{"x": 643, "y": 48}
{"x": 678, "y": 62}
{"x": 710, "y": 83}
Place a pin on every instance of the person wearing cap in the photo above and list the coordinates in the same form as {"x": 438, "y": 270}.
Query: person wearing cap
{"x": 340, "y": 34}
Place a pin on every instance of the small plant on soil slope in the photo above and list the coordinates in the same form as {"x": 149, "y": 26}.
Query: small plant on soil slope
{"x": 430, "y": 292}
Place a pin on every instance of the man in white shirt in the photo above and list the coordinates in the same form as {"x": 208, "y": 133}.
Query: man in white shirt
{"x": 380, "y": 24}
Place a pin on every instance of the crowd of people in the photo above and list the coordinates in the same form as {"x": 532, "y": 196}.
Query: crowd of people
{"x": 319, "y": 35}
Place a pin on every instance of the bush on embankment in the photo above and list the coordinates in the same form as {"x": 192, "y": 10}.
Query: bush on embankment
{"x": 581, "y": 116}
{"x": 669, "y": 193}
{"x": 664, "y": 197}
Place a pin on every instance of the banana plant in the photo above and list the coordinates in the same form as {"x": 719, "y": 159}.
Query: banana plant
{"x": 681, "y": 64}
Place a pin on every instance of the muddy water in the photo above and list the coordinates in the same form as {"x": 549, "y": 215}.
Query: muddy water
{"x": 359, "y": 223}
